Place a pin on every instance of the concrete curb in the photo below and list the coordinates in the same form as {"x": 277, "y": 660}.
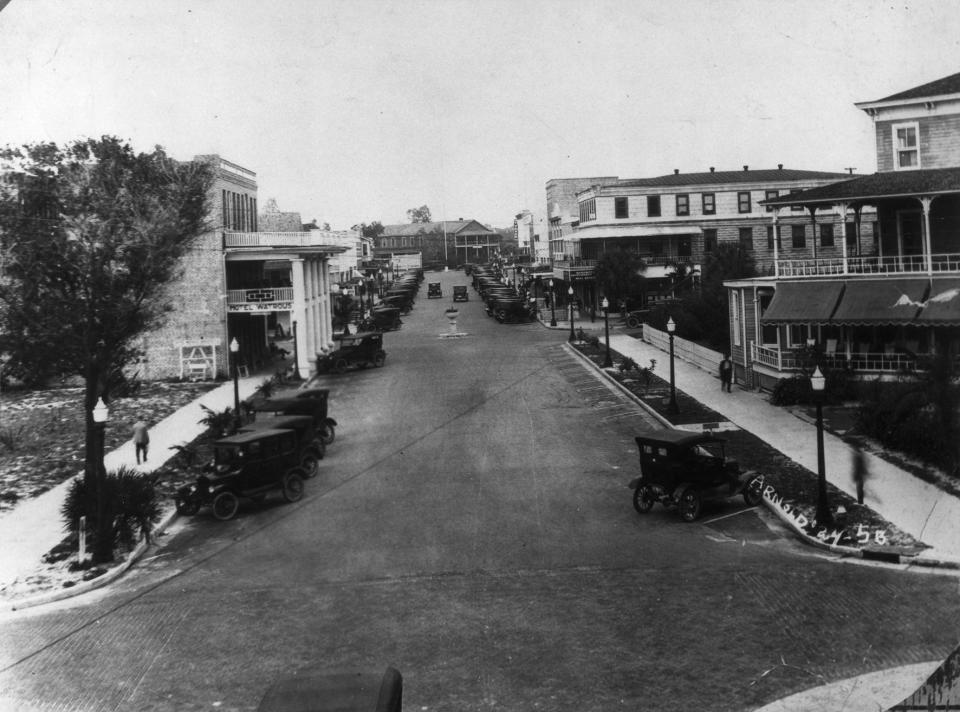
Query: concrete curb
{"x": 109, "y": 577}
{"x": 848, "y": 551}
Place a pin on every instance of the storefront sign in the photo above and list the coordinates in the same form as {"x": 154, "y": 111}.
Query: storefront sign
{"x": 249, "y": 307}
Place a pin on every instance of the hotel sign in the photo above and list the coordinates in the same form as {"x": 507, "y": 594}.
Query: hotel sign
{"x": 259, "y": 307}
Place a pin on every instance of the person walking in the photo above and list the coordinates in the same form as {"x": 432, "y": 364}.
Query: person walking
{"x": 726, "y": 373}
{"x": 141, "y": 439}
{"x": 860, "y": 471}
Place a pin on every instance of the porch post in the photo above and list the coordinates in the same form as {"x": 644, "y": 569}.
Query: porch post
{"x": 776, "y": 243}
{"x": 927, "y": 243}
{"x": 842, "y": 209}
{"x": 299, "y": 312}
{"x": 856, "y": 229}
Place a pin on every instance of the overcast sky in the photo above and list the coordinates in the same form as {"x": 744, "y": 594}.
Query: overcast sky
{"x": 356, "y": 111}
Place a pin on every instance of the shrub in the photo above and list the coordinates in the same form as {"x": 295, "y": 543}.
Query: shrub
{"x": 218, "y": 423}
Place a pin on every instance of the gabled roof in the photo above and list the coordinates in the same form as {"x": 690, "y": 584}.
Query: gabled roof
{"x": 938, "y": 87}
{"x": 452, "y": 227}
{"x": 889, "y": 184}
{"x": 726, "y": 177}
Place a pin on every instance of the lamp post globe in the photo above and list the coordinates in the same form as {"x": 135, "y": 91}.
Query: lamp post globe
{"x": 607, "y": 361}
{"x": 553, "y": 314}
{"x": 235, "y": 358}
{"x": 818, "y": 384}
{"x": 671, "y": 329}
{"x": 570, "y": 300}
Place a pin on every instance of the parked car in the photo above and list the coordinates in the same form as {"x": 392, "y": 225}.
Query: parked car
{"x": 246, "y": 465}
{"x": 360, "y": 350}
{"x": 460, "y": 294}
{"x": 309, "y": 443}
{"x": 433, "y": 290}
{"x": 312, "y": 402}
{"x": 686, "y": 469}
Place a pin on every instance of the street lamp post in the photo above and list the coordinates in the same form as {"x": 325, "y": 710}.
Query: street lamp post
{"x": 570, "y": 299}
{"x": 553, "y": 314}
{"x": 380, "y": 281}
{"x": 103, "y": 550}
{"x": 671, "y": 328}
{"x": 235, "y": 358}
{"x": 824, "y": 516}
{"x": 296, "y": 355}
{"x": 607, "y": 361}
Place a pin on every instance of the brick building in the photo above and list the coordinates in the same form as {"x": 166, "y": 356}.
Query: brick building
{"x": 448, "y": 242}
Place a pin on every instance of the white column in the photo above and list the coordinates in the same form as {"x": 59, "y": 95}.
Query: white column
{"x": 326, "y": 315}
{"x": 927, "y": 242}
{"x": 299, "y": 313}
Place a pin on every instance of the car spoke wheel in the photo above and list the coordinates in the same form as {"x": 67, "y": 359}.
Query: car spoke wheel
{"x": 187, "y": 505}
{"x": 643, "y": 498}
{"x": 328, "y": 434}
{"x": 225, "y": 506}
{"x": 633, "y": 322}
{"x": 753, "y": 492}
{"x": 293, "y": 486}
{"x": 340, "y": 366}
{"x": 690, "y": 505}
{"x": 310, "y": 464}
{"x": 379, "y": 359}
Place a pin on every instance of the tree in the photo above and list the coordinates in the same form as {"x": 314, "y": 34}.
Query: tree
{"x": 419, "y": 215}
{"x": 90, "y": 233}
{"x": 371, "y": 230}
{"x": 619, "y": 275}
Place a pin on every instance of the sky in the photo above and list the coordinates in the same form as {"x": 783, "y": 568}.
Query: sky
{"x": 357, "y": 111}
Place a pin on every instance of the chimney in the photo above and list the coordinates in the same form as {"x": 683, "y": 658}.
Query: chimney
{"x": 711, "y": 169}
{"x": 779, "y": 166}
{"x": 746, "y": 168}
{"x": 676, "y": 171}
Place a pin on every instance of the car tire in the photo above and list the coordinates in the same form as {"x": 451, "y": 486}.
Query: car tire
{"x": 225, "y": 506}
{"x": 643, "y": 498}
{"x": 340, "y": 365}
{"x": 310, "y": 464}
{"x": 328, "y": 434}
{"x": 187, "y": 506}
{"x": 753, "y": 492}
{"x": 293, "y": 486}
{"x": 633, "y": 322}
{"x": 501, "y": 315}
{"x": 379, "y": 359}
{"x": 690, "y": 505}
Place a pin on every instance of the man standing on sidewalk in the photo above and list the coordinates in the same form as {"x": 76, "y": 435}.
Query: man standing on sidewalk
{"x": 726, "y": 373}
{"x": 141, "y": 439}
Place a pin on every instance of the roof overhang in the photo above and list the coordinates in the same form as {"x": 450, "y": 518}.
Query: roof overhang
{"x": 626, "y": 231}
{"x": 875, "y": 187}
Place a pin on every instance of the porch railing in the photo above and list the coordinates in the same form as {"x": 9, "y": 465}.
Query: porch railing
{"x": 269, "y": 239}
{"x": 895, "y": 264}
{"x": 257, "y": 295}
{"x": 787, "y": 361}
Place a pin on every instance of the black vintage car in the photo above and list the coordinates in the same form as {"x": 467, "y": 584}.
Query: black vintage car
{"x": 434, "y": 290}
{"x": 246, "y": 465}
{"x": 312, "y": 402}
{"x": 460, "y": 294}
{"x": 686, "y": 469}
{"x": 361, "y": 350}
{"x": 309, "y": 443}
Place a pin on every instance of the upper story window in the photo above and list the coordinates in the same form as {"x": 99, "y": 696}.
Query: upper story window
{"x": 621, "y": 208}
{"x": 770, "y": 195}
{"x": 709, "y": 204}
{"x": 906, "y": 146}
{"x": 588, "y": 210}
{"x": 743, "y": 202}
{"x": 683, "y": 204}
{"x": 653, "y": 206}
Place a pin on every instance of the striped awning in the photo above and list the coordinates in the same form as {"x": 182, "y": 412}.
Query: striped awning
{"x": 881, "y": 301}
{"x": 803, "y": 303}
{"x": 942, "y": 305}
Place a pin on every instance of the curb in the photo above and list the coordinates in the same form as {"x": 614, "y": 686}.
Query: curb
{"x": 109, "y": 577}
{"x": 847, "y": 551}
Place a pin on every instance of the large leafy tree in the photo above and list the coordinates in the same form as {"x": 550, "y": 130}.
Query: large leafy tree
{"x": 619, "y": 275}
{"x": 419, "y": 215}
{"x": 90, "y": 233}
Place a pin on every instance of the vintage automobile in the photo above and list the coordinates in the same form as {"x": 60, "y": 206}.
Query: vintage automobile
{"x": 311, "y": 446}
{"x": 401, "y": 302}
{"x": 636, "y": 318}
{"x": 508, "y": 309}
{"x": 246, "y": 465}
{"x": 383, "y": 318}
{"x": 686, "y": 469}
{"x": 433, "y": 290}
{"x": 361, "y": 350}
{"x": 460, "y": 294}
{"x": 312, "y": 402}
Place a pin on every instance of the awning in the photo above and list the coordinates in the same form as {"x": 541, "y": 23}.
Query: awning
{"x": 876, "y": 301}
{"x": 943, "y": 304}
{"x": 626, "y": 231}
{"x": 803, "y": 303}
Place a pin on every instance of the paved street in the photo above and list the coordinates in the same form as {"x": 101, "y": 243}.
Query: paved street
{"x": 472, "y": 527}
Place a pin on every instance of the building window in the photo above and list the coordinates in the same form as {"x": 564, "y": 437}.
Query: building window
{"x": 683, "y": 204}
{"x": 826, "y": 235}
{"x": 653, "y": 206}
{"x": 620, "y": 208}
{"x": 799, "y": 236}
{"x": 746, "y": 238}
{"x": 770, "y": 195}
{"x": 743, "y": 202}
{"x": 798, "y": 334}
{"x": 588, "y": 210}
{"x": 684, "y": 247}
{"x": 710, "y": 240}
{"x": 906, "y": 146}
{"x": 796, "y": 208}
{"x": 709, "y": 204}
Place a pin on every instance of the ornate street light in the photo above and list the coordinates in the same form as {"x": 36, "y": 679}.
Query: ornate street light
{"x": 824, "y": 516}
{"x": 553, "y": 314}
{"x": 671, "y": 328}
{"x": 607, "y": 361}
{"x": 570, "y": 299}
{"x": 235, "y": 359}
{"x": 103, "y": 546}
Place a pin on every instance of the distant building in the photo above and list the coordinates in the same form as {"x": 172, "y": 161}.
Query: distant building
{"x": 449, "y": 242}
{"x": 530, "y": 231}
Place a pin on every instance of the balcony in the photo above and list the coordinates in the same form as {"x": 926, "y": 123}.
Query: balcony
{"x": 269, "y": 239}
{"x": 892, "y": 265}
{"x": 789, "y": 362}
{"x": 260, "y": 299}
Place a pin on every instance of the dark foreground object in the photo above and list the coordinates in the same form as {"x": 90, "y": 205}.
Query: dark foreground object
{"x": 336, "y": 692}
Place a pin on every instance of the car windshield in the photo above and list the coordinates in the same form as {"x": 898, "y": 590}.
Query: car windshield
{"x": 228, "y": 456}
{"x": 709, "y": 450}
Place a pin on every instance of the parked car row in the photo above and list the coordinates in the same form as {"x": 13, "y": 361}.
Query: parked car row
{"x": 501, "y": 300}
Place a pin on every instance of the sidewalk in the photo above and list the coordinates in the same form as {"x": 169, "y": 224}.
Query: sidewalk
{"x": 32, "y": 528}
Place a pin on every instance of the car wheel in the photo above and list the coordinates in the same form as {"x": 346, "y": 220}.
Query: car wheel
{"x": 310, "y": 464}
{"x": 633, "y": 322}
{"x": 293, "y": 485}
{"x": 753, "y": 492}
{"x": 187, "y": 505}
{"x": 225, "y": 506}
{"x": 643, "y": 498}
{"x": 328, "y": 434}
{"x": 340, "y": 366}
{"x": 690, "y": 505}
{"x": 501, "y": 315}
{"x": 379, "y": 359}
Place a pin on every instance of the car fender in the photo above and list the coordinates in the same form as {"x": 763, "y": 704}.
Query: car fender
{"x": 329, "y": 421}
{"x": 635, "y": 482}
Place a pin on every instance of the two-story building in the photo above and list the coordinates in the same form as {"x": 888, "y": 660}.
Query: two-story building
{"x": 878, "y": 307}
{"x": 448, "y": 242}
{"x": 530, "y": 231}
